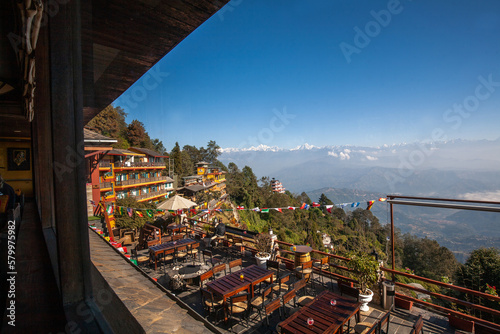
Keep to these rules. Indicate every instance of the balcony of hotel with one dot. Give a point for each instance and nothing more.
(129, 164)
(144, 180)
(152, 195)
(104, 165)
(105, 186)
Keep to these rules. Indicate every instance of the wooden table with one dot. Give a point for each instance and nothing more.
(231, 284)
(176, 228)
(327, 319)
(160, 249)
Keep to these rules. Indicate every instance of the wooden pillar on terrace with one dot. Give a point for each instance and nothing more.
(69, 193)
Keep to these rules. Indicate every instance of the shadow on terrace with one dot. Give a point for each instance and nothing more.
(223, 282)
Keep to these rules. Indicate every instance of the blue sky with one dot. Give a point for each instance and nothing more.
(284, 73)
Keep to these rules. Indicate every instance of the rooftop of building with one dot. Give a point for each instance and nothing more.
(147, 151)
(94, 138)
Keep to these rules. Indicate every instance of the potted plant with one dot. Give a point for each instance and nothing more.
(263, 244)
(364, 270)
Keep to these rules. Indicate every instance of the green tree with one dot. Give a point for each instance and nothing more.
(137, 135)
(175, 154)
(194, 154)
(211, 153)
(427, 258)
(158, 146)
(111, 122)
(134, 222)
(186, 165)
(323, 200)
(481, 268)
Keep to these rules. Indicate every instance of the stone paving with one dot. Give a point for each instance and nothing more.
(154, 310)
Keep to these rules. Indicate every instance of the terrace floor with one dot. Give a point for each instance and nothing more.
(401, 320)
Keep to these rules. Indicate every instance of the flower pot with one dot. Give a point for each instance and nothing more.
(364, 300)
(462, 324)
(403, 303)
(261, 260)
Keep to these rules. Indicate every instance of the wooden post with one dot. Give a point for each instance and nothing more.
(65, 32)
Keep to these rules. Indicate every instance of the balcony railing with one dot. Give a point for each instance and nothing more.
(152, 194)
(141, 180)
(105, 185)
(138, 164)
(104, 164)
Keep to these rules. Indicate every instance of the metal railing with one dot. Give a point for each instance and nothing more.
(141, 180)
(104, 164)
(129, 164)
(151, 194)
(105, 185)
(448, 203)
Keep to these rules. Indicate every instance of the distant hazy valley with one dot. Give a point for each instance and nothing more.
(455, 169)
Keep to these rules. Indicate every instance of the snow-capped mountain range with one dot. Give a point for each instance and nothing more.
(406, 167)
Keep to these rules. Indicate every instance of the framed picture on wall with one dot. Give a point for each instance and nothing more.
(18, 158)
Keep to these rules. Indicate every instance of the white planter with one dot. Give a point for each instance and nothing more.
(365, 299)
(261, 261)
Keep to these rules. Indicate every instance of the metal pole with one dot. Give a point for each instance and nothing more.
(392, 239)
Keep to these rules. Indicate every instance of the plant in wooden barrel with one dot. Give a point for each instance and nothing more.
(263, 244)
(364, 270)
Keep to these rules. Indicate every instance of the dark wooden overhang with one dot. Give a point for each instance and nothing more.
(121, 41)
(127, 38)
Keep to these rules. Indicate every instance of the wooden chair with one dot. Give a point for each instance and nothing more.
(193, 251)
(290, 266)
(272, 306)
(321, 266)
(219, 268)
(237, 248)
(205, 277)
(366, 327)
(305, 271)
(302, 298)
(177, 237)
(239, 305)
(347, 289)
(287, 297)
(148, 234)
(418, 326)
(258, 301)
(282, 287)
(274, 265)
(211, 259)
(168, 255)
(234, 264)
(210, 303)
(140, 259)
(180, 253)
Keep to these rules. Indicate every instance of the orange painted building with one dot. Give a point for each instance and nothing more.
(117, 173)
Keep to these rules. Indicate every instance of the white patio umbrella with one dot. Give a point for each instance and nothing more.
(176, 203)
